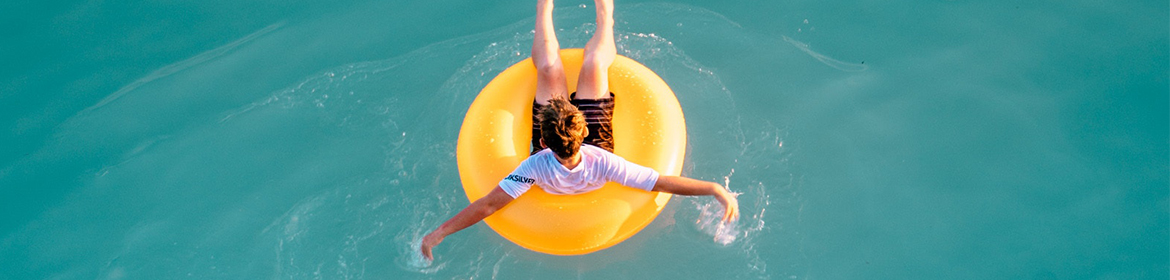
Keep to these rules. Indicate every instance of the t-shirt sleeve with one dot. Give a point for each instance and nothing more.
(520, 180)
(629, 174)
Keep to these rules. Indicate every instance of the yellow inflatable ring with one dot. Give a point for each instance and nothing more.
(648, 129)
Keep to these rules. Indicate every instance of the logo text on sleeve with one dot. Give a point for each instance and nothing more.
(520, 179)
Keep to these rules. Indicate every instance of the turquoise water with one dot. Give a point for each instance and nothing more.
(314, 140)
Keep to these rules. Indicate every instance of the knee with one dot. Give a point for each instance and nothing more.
(594, 61)
(590, 62)
(545, 67)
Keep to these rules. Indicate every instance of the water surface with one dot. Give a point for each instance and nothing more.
(868, 140)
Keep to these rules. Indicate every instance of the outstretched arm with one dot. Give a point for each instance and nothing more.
(477, 211)
(688, 186)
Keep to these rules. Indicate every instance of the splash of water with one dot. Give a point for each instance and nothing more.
(711, 218)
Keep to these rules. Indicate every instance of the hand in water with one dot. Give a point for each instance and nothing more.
(730, 205)
(429, 242)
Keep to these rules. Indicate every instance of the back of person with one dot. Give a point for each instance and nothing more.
(596, 168)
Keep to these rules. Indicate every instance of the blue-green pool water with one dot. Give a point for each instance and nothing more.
(315, 140)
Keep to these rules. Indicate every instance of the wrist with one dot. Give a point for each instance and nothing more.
(439, 232)
(718, 189)
(723, 193)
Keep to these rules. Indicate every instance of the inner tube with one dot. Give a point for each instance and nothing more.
(648, 129)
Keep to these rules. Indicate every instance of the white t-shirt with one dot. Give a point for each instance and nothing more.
(597, 167)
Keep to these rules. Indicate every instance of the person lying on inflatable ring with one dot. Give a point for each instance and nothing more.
(565, 165)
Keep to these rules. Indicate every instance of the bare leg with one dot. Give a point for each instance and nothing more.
(593, 82)
(550, 73)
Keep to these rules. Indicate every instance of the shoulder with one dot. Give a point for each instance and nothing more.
(597, 151)
(540, 154)
(593, 150)
(601, 158)
(590, 151)
(537, 160)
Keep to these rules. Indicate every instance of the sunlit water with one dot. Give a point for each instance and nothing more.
(905, 140)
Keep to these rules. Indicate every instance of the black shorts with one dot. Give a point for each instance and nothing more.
(598, 118)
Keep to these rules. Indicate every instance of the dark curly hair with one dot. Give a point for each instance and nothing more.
(562, 126)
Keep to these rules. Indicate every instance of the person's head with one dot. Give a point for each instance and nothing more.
(562, 128)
